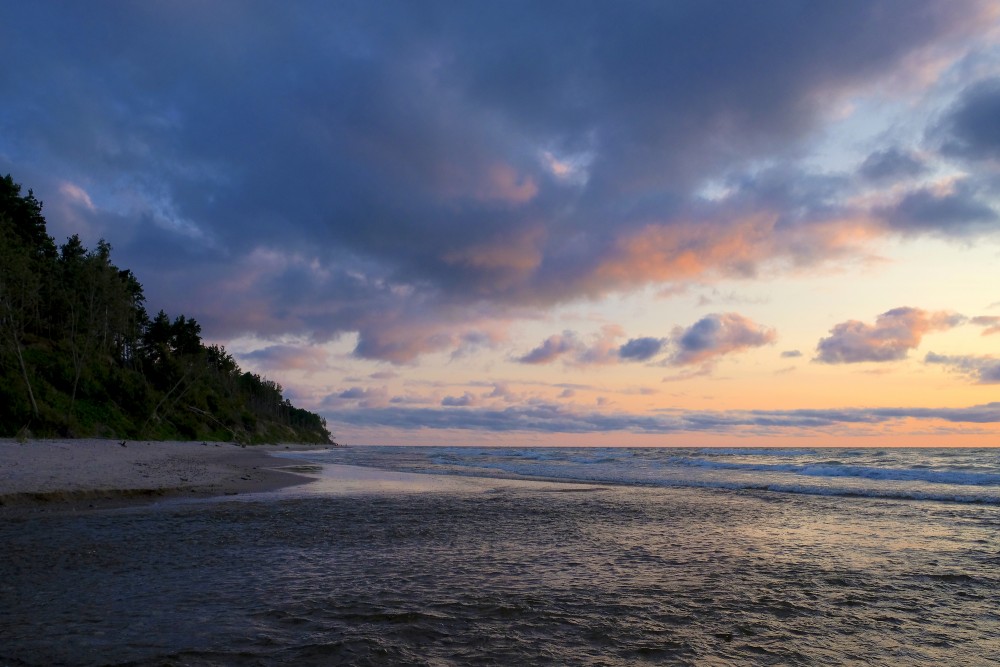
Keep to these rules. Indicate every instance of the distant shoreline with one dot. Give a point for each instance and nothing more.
(71, 475)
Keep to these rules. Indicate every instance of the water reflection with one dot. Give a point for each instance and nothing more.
(506, 575)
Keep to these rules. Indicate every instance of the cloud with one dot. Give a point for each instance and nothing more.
(641, 349)
(400, 334)
(275, 292)
(971, 129)
(892, 164)
(557, 418)
(990, 322)
(716, 335)
(602, 348)
(427, 172)
(352, 393)
(465, 400)
(551, 349)
(894, 333)
(286, 357)
(984, 369)
(791, 354)
(502, 391)
(689, 374)
(77, 195)
(960, 211)
(711, 337)
(375, 398)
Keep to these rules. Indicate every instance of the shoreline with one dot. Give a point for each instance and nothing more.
(70, 475)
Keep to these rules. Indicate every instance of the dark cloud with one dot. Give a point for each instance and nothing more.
(551, 349)
(374, 398)
(555, 418)
(972, 127)
(893, 335)
(464, 400)
(990, 374)
(641, 349)
(718, 334)
(983, 369)
(601, 349)
(392, 169)
(959, 212)
(892, 164)
(352, 393)
(790, 354)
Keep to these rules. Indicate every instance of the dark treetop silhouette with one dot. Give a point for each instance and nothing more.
(80, 357)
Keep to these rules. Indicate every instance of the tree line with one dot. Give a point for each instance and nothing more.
(81, 357)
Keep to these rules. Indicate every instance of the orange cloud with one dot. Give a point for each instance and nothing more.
(727, 247)
(894, 333)
(497, 182)
(508, 259)
(503, 182)
(676, 251)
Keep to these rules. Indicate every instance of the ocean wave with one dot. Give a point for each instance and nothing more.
(869, 492)
(760, 451)
(915, 474)
(608, 475)
(970, 476)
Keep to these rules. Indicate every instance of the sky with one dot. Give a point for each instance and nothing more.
(546, 223)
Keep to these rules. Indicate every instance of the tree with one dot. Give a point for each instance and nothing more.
(19, 298)
(96, 303)
(25, 215)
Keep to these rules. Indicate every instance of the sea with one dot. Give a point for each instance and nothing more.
(610, 556)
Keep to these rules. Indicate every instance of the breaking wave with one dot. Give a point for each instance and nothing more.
(955, 475)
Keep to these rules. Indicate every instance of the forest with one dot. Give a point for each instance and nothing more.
(81, 357)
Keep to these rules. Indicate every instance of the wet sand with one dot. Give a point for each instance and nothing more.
(74, 475)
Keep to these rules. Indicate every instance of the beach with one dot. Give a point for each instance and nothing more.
(92, 474)
(453, 556)
(39, 475)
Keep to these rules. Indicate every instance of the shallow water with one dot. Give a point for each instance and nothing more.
(614, 575)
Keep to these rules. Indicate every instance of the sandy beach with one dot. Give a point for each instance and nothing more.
(79, 475)
(41, 475)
